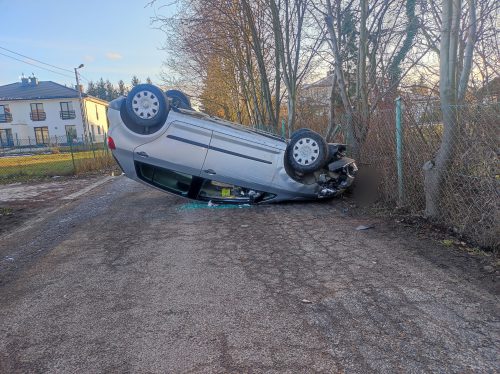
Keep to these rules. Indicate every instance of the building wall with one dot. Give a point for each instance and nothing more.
(97, 118)
(23, 128)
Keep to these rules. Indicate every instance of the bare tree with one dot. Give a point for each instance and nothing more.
(386, 37)
(452, 87)
(288, 20)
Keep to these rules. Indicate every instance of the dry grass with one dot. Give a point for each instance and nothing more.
(103, 161)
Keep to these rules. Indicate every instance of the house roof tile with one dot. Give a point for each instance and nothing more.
(43, 90)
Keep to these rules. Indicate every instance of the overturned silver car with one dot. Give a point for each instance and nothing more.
(157, 139)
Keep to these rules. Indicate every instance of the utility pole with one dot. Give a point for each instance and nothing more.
(82, 107)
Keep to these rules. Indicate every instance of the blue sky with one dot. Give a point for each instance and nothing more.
(113, 39)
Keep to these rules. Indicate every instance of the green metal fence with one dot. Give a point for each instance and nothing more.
(55, 155)
(402, 139)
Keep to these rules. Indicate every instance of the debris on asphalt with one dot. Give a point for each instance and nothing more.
(244, 226)
(364, 227)
(5, 211)
(305, 301)
(489, 269)
(212, 204)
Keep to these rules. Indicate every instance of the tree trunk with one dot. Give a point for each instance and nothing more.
(361, 88)
(291, 111)
(331, 111)
(435, 171)
(261, 64)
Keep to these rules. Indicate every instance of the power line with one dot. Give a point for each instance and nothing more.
(40, 67)
(84, 77)
(34, 59)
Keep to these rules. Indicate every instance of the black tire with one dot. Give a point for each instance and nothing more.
(178, 100)
(298, 132)
(307, 152)
(146, 105)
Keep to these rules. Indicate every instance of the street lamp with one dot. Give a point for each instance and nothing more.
(82, 106)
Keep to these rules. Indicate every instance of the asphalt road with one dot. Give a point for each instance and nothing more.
(127, 279)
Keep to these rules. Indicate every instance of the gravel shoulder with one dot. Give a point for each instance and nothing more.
(127, 279)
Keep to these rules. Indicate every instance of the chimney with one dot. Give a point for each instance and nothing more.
(33, 81)
(24, 81)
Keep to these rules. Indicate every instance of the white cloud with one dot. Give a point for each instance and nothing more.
(89, 58)
(113, 56)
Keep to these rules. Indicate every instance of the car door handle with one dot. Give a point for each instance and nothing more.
(209, 171)
(142, 154)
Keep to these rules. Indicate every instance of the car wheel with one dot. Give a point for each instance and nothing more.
(307, 152)
(146, 105)
(299, 132)
(178, 99)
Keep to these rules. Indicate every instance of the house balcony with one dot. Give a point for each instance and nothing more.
(38, 116)
(6, 117)
(67, 114)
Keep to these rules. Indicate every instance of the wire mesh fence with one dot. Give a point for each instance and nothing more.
(469, 199)
(51, 156)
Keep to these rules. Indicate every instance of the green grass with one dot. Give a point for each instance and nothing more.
(46, 165)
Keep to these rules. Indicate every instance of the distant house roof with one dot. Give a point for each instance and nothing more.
(42, 90)
(323, 82)
(492, 89)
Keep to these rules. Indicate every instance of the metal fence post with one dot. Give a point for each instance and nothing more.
(92, 144)
(72, 154)
(106, 147)
(399, 152)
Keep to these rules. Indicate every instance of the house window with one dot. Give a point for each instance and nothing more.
(71, 133)
(37, 113)
(42, 135)
(96, 113)
(5, 115)
(99, 130)
(6, 139)
(67, 111)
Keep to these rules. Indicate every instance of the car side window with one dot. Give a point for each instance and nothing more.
(169, 180)
(178, 183)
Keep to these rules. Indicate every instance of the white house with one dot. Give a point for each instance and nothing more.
(46, 112)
